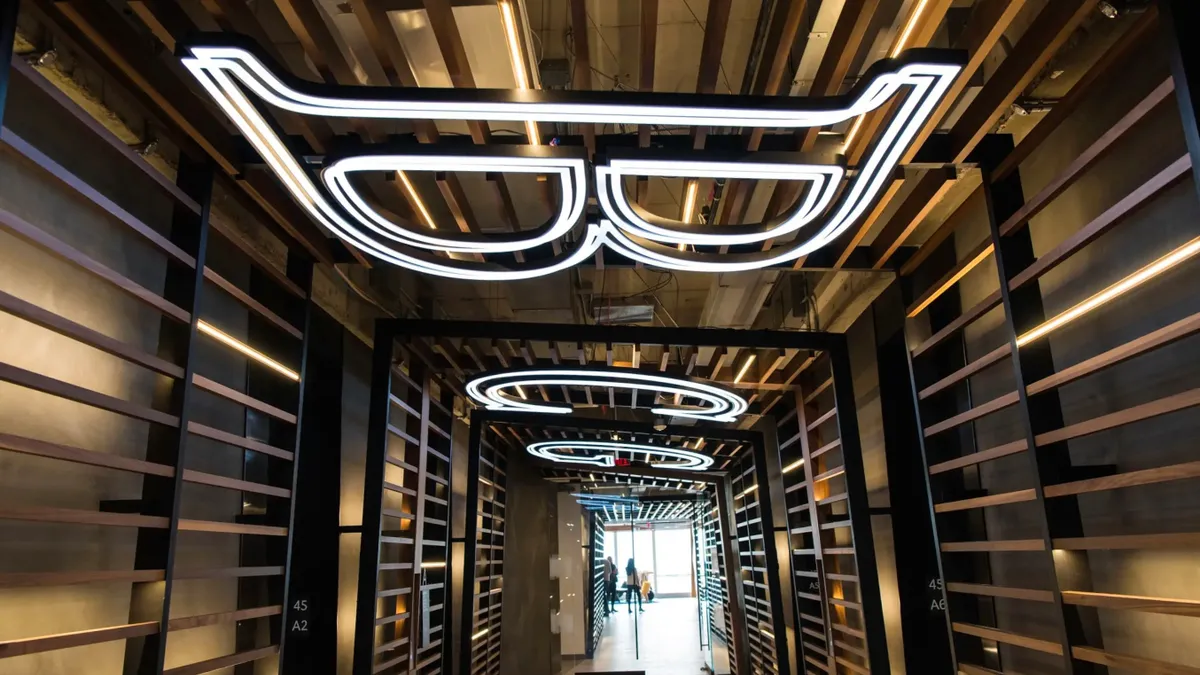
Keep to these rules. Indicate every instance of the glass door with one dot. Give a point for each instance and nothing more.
(673, 560)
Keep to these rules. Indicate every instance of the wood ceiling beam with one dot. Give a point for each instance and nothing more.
(1032, 52)
(310, 27)
(781, 34)
(716, 26)
(581, 77)
(648, 41)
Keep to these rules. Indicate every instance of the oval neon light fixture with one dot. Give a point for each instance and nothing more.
(498, 391)
(689, 459)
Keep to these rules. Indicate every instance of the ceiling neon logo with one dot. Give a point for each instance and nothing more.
(684, 459)
(228, 68)
(500, 390)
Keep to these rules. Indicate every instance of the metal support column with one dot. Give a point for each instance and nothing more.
(859, 508)
(1179, 21)
(777, 547)
(733, 579)
(470, 548)
(8, 35)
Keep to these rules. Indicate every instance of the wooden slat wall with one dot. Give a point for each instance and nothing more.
(1042, 489)
(833, 632)
(488, 592)
(716, 592)
(752, 537)
(409, 583)
(259, 416)
(599, 610)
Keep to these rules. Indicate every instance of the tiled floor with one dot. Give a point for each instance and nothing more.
(668, 637)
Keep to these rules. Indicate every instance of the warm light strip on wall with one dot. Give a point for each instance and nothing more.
(518, 63)
(426, 565)
(896, 49)
(750, 489)
(229, 341)
(479, 634)
(745, 367)
(1116, 290)
(793, 466)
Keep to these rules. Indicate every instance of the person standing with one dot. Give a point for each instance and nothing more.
(610, 586)
(633, 586)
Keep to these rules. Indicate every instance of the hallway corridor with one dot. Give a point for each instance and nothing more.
(668, 636)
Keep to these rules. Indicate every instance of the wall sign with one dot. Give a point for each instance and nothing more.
(242, 84)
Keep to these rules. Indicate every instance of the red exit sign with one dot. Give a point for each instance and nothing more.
(620, 462)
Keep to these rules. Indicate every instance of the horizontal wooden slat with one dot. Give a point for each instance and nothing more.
(199, 620)
(83, 189)
(995, 546)
(1180, 540)
(852, 632)
(63, 326)
(239, 441)
(1137, 603)
(251, 304)
(812, 395)
(229, 572)
(230, 528)
(1135, 664)
(44, 240)
(1015, 639)
(45, 579)
(66, 453)
(998, 403)
(214, 387)
(828, 447)
(963, 267)
(851, 666)
(214, 480)
(979, 457)
(1014, 497)
(1145, 411)
(48, 514)
(1153, 340)
(71, 392)
(1101, 224)
(1162, 474)
(979, 309)
(966, 371)
(47, 643)
(822, 419)
(1000, 591)
(968, 669)
(1087, 158)
(71, 107)
(223, 662)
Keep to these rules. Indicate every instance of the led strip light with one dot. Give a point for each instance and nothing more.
(489, 390)
(230, 72)
(692, 461)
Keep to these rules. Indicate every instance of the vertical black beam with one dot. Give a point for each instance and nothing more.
(777, 548)
(470, 549)
(589, 610)
(738, 642)
(161, 496)
(372, 516)
(312, 570)
(925, 623)
(8, 35)
(859, 508)
(1023, 310)
(1179, 21)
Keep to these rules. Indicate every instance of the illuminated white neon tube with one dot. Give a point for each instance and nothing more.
(689, 459)
(721, 405)
(229, 73)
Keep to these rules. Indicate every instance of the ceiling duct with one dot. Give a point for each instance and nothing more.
(623, 314)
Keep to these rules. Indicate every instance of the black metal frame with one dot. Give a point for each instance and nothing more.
(388, 331)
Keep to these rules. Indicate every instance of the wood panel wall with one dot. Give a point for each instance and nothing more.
(1037, 500)
(196, 404)
(487, 590)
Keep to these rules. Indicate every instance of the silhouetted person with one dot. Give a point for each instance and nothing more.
(633, 586)
(610, 585)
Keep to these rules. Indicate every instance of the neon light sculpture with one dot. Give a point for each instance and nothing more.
(228, 68)
(497, 390)
(689, 460)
